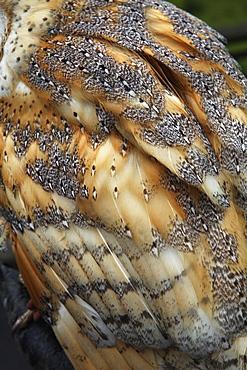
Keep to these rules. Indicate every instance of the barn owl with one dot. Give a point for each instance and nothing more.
(123, 181)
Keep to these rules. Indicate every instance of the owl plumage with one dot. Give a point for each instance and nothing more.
(123, 181)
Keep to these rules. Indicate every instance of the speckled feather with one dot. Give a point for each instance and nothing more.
(123, 177)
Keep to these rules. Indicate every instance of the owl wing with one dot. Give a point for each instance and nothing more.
(166, 76)
(125, 222)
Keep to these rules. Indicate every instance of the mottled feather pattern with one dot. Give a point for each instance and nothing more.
(123, 181)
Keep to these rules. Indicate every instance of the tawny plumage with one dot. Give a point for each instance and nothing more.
(123, 181)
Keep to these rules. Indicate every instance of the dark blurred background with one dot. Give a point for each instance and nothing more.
(227, 16)
(11, 357)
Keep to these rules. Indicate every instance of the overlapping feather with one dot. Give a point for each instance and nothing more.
(127, 216)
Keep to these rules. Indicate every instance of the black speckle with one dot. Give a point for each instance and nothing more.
(104, 336)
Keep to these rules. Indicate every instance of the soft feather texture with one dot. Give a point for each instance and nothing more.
(123, 177)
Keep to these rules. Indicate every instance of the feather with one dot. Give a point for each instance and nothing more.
(123, 181)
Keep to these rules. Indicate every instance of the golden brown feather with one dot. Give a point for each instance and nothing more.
(123, 178)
